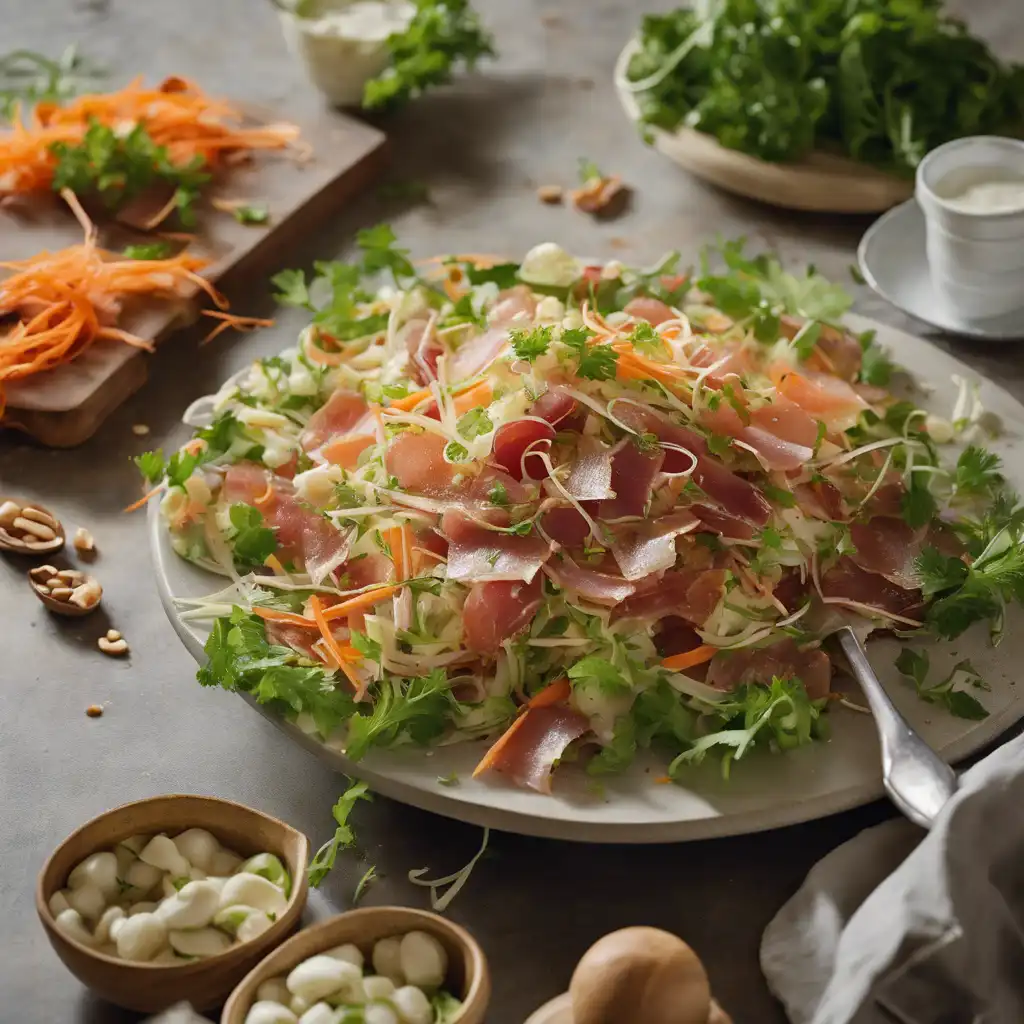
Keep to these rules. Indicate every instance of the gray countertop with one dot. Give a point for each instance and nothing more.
(483, 147)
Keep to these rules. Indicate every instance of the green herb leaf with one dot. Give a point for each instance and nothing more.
(149, 251)
(504, 275)
(253, 542)
(977, 472)
(291, 288)
(257, 213)
(474, 423)
(530, 344)
(498, 495)
(151, 465)
(588, 170)
(344, 838)
(782, 497)
(596, 362)
(455, 452)
(597, 671)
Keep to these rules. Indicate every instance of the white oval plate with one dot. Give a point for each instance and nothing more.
(766, 790)
(822, 182)
(894, 262)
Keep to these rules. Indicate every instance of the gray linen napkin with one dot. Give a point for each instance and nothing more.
(902, 927)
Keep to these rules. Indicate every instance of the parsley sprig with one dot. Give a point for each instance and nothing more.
(594, 362)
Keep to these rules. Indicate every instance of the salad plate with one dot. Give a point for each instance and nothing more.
(822, 183)
(893, 261)
(637, 805)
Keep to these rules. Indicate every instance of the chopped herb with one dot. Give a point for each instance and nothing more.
(959, 703)
(474, 423)
(504, 275)
(876, 368)
(498, 495)
(555, 627)
(598, 671)
(771, 538)
(455, 452)
(253, 543)
(257, 213)
(596, 362)
(977, 472)
(27, 78)
(806, 338)
(292, 289)
(917, 506)
(719, 444)
(452, 779)
(530, 344)
(588, 170)
(344, 837)
(787, 499)
(149, 251)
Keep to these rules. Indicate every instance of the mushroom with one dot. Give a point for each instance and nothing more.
(65, 591)
(642, 974)
(29, 528)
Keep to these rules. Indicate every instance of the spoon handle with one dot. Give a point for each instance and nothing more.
(918, 781)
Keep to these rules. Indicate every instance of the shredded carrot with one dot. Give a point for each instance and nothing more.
(553, 693)
(663, 780)
(144, 499)
(233, 320)
(410, 401)
(499, 745)
(467, 396)
(631, 365)
(273, 562)
(345, 451)
(265, 496)
(315, 353)
(332, 644)
(359, 602)
(398, 539)
(176, 115)
(275, 615)
(700, 654)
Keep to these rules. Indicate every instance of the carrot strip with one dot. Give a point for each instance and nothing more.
(553, 693)
(697, 656)
(499, 744)
(360, 602)
(233, 320)
(275, 615)
(478, 395)
(345, 451)
(144, 499)
(410, 401)
(273, 562)
(332, 644)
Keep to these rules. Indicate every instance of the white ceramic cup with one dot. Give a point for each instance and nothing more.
(976, 258)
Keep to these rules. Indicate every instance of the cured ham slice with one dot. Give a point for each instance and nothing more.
(565, 526)
(476, 554)
(511, 441)
(477, 353)
(732, 492)
(654, 311)
(632, 478)
(514, 305)
(417, 462)
(286, 635)
(848, 580)
(888, 547)
(775, 452)
(491, 482)
(731, 669)
(595, 587)
(556, 406)
(530, 749)
(342, 411)
(686, 594)
(841, 349)
(723, 523)
(787, 421)
(590, 476)
(646, 548)
(496, 612)
(424, 350)
(821, 395)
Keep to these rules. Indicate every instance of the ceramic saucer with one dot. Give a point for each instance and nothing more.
(892, 259)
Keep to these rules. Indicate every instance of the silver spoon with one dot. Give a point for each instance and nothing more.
(917, 780)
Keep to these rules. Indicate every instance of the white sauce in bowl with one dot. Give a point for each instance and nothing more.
(1005, 196)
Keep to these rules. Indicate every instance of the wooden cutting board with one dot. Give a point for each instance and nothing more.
(65, 406)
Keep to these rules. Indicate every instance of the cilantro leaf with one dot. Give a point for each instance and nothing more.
(618, 754)
(474, 423)
(441, 35)
(595, 670)
(255, 213)
(344, 838)
(645, 338)
(787, 499)
(27, 78)
(149, 251)
(806, 338)
(455, 452)
(959, 703)
(917, 506)
(445, 1006)
(417, 710)
(240, 658)
(876, 368)
(596, 362)
(369, 649)
(504, 275)
(381, 253)
(530, 344)
(151, 465)
(291, 288)
(977, 472)
(253, 543)
(498, 494)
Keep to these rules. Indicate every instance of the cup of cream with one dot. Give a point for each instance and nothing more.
(972, 194)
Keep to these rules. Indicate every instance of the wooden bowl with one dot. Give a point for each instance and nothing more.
(150, 988)
(469, 977)
(821, 182)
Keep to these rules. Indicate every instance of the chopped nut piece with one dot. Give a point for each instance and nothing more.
(551, 194)
(9, 511)
(41, 573)
(140, 429)
(36, 515)
(61, 593)
(70, 576)
(94, 711)
(38, 530)
(83, 540)
(54, 582)
(88, 594)
(112, 647)
(603, 197)
(112, 635)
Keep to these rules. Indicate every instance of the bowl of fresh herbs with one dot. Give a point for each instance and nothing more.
(826, 105)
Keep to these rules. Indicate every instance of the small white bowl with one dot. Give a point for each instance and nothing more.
(976, 258)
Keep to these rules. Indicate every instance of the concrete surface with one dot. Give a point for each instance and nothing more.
(483, 147)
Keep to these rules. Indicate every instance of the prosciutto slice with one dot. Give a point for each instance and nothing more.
(732, 492)
(477, 353)
(556, 406)
(417, 462)
(476, 554)
(645, 307)
(848, 580)
(496, 612)
(821, 395)
(632, 478)
(774, 451)
(539, 739)
(841, 348)
(590, 476)
(730, 669)
(688, 594)
(725, 524)
(339, 414)
(566, 526)
(646, 548)
(888, 547)
(424, 350)
(588, 584)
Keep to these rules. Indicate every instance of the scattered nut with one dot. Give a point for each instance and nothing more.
(83, 540)
(112, 635)
(94, 711)
(88, 594)
(602, 197)
(140, 429)
(41, 573)
(550, 194)
(28, 529)
(70, 576)
(112, 647)
(61, 593)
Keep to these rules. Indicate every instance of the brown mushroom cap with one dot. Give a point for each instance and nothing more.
(640, 974)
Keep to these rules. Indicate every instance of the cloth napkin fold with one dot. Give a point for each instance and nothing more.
(899, 926)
